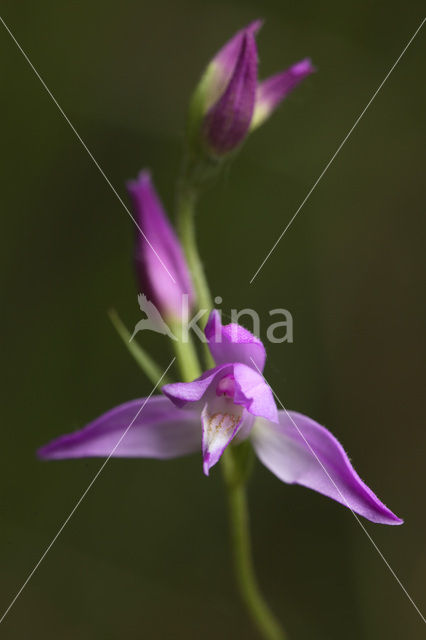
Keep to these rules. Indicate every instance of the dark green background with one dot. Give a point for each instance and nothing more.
(146, 554)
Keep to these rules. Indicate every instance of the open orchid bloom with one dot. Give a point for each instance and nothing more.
(226, 405)
(229, 99)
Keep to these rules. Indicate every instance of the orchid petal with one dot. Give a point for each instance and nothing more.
(153, 428)
(161, 267)
(180, 393)
(299, 450)
(254, 393)
(275, 89)
(249, 390)
(233, 343)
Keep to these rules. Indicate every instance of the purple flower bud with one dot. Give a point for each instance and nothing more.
(229, 102)
(222, 67)
(161, 269)
(223, 104)
(272, 91)
(227, 122)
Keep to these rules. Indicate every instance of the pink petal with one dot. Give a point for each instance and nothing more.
(272, 91)
(249, 390)
(299, 450)
(155, 429)
(233, 343)
(180, 393)
(254, 393)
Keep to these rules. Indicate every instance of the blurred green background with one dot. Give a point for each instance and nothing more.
(146, 554)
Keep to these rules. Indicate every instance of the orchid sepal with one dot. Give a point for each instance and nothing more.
(272, 91)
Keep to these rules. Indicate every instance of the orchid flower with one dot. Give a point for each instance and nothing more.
(229, 410)
(226, 405)
(161, 268)
(229, 101)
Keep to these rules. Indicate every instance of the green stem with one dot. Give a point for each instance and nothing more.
(261, 615)
(187, 198)
(185, 353)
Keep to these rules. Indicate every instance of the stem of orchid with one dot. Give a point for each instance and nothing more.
(234, 465)
(186, 355)
(187, 198)
(266, 622)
